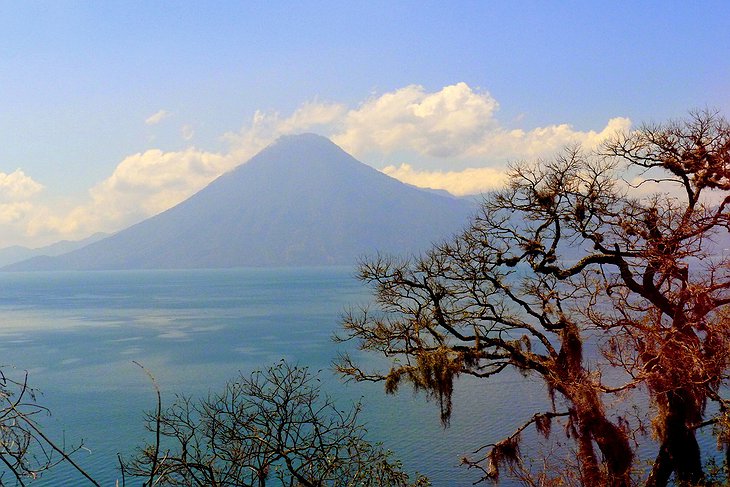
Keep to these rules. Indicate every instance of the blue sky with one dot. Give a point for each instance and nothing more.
(113, 111)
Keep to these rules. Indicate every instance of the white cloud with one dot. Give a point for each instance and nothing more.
(156, 178)
(14, 212)
(460, 183)
(541, 141)
(142, 185)
(17, 204)
(441, 124)
(157, 117)
(456, 124)
(447, 139)
(455, 128)
(16, 186)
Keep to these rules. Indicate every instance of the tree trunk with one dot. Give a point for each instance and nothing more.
(589, 468)
(592, 425)
(613, 445)
(679, 452)
(590, 415)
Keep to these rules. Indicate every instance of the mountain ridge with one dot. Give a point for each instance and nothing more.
(18, 253)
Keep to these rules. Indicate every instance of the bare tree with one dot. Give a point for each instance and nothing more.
(26, 452)
(565, 257)
(275, 426)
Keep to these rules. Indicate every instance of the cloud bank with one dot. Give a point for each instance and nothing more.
(16, 194)
(447, 139)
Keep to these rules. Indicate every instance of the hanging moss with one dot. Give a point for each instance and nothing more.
(392, 380)
(543, 424)
(434, 373)
(505, 452)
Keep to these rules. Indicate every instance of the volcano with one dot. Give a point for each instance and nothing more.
(302, 201)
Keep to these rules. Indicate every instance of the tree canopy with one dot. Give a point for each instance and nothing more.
(621, 250)
(272, 427)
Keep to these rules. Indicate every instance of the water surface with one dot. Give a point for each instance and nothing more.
(77, 333)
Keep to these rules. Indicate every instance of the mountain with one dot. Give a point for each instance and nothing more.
(17, 253)
(301, 201)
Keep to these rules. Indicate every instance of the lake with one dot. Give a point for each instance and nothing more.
(77, 333)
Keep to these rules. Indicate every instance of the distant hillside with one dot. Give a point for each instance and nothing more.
(17, 253)
(302, 201)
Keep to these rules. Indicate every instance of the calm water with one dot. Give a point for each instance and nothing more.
(78, 333)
